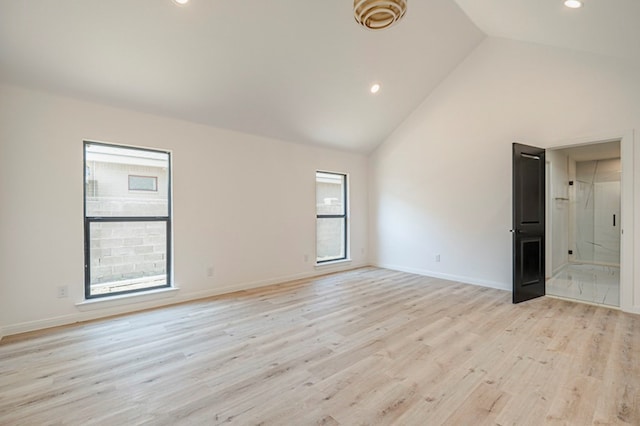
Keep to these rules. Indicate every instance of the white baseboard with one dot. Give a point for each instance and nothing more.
(107, 308)
(449, 277)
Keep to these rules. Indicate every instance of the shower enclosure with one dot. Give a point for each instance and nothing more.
(584, 212)
(597, 212)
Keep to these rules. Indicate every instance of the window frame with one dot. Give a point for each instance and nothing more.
(344, 216)
(88, 220)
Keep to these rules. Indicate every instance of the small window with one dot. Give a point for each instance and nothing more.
(143, 183)
(127, 220)
(331, 216)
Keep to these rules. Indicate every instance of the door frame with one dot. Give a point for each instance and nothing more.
(629, 154)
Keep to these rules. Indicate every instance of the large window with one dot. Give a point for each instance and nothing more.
(127, 219)
(331, 216)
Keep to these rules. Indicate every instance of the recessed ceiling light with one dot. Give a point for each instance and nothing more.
(181, 2)
(573, 4)
(375, 88)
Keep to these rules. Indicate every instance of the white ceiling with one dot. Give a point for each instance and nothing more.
(296, 70)
(293, 70)
(598, 151)
(605, 27)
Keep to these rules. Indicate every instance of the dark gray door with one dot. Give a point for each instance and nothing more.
(528, 222)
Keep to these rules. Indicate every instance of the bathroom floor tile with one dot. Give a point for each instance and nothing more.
(590, 283)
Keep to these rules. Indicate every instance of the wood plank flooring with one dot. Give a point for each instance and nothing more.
(369, 346)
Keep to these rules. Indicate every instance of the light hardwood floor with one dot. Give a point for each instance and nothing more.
(369, 346)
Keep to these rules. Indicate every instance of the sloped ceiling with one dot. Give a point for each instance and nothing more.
(604, 27)
(294, 70)
(298, 71)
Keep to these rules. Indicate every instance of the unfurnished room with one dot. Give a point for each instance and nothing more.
(336, 212)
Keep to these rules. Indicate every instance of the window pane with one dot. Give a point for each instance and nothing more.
(126, 182)
(127, 256)
(330, 239)
(143, 183)
(330, 193)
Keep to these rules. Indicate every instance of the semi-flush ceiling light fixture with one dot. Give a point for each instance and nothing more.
(181, 2)
(573, 4)
(378, 14)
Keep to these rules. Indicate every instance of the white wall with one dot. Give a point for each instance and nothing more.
(242, 204)
(441, 183)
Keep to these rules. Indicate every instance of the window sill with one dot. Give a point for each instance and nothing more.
(125, 299)
(331, 263)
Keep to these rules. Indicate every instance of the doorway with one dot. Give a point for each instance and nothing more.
(583, 208)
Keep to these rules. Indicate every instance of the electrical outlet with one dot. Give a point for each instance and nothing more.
(306, 257)
(210, 271)
(437, 258)
(63, 291)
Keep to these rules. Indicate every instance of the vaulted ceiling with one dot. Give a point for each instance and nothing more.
(604, 27)
(298, 71)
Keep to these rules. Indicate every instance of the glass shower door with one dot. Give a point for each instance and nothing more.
(584, 222)
(606, 223)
